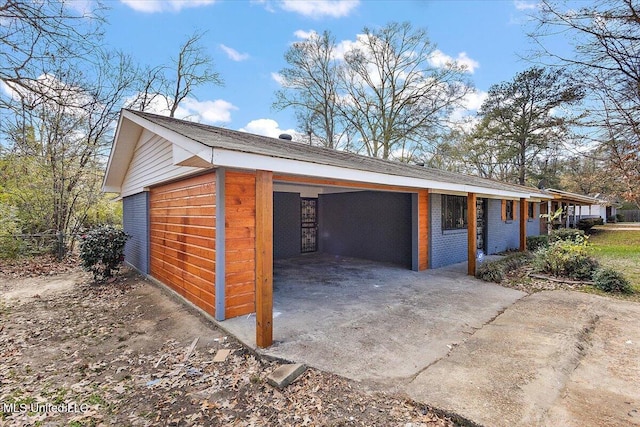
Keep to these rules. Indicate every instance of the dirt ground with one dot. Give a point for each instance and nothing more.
(73, 353)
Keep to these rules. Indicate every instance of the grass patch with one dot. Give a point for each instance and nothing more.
(620, 250)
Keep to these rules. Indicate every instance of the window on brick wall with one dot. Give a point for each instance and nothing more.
(531, 211)
(454, 212)
(508, 210)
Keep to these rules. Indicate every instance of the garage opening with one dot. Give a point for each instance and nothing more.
(365, 224)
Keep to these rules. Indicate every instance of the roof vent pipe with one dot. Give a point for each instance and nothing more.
(285, 136)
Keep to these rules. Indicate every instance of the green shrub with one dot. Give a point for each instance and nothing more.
(494, 271)
(586, 224)
(490, 271)
(565, 258)
(537, 242)
(612, 218)
(610, 280)
(102, 251)
(10, 245)
(619, 217)
(567, 235)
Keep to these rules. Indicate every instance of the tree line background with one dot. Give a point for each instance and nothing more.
(569, 122)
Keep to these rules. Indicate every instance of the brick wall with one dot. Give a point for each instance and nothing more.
(533, 224)
(445, 246)
(502, 235)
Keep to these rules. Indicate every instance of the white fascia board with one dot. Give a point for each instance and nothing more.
(120, 155)
(241, 160)
(182, 157)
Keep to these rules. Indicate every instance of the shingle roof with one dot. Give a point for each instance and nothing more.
(573, 197)
(217, 137)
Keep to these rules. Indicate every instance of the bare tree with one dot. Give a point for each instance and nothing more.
(66, 135)
(310, 87)
(605, 39)
(394, 95)
(36, 36)
(192, 68)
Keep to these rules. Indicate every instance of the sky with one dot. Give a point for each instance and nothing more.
(248, 40)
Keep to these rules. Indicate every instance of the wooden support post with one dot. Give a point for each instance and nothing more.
(264, 258)
(472, 236)
(423, 229)
(523, 224)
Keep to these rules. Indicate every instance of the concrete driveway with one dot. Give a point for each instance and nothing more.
(490, 354)
(370, 321)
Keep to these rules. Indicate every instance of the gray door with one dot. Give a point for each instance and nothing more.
(309, 225)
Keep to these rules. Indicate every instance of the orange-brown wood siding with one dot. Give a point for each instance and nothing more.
(471, 233)
(240, 244)
(182, 238)
(423, 230)
(339, 183)
(264, 258)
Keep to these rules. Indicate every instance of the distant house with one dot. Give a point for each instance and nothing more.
(208, 209)
(578, 206)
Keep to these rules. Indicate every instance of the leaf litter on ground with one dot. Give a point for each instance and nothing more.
(90, 347)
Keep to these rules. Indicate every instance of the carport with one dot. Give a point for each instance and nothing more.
(376, 224)
(182, 181)
(370, 320)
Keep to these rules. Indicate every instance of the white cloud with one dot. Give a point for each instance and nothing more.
(10, 92)
(277, 77)
(83, 7)
(47, 89)
(473, 101)
(525, 5)
(153, 6)
(266, 4)
(218, 111)
(305, 35)
(320, 8)
(440, 59)
(465, 116)
(267, 127)
(233, 54)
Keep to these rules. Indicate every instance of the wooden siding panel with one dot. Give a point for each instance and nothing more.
(264, 259)
(471, 233)
(340, 183)
(182, 238)
(240, 246)
(423, 230)
(524, 213)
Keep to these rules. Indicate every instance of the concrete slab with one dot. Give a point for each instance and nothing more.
(284, 375)
(553, 358)
(369, 321)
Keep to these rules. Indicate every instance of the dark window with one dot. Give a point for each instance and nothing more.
(454, 212)
(531, 210)
(508, 210)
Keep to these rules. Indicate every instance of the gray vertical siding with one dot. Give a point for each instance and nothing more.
(445, 246)
(135, 221)
(502, 235)
(367, 224)
(286, 225)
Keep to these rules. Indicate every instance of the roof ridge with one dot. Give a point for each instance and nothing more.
(178, 125)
